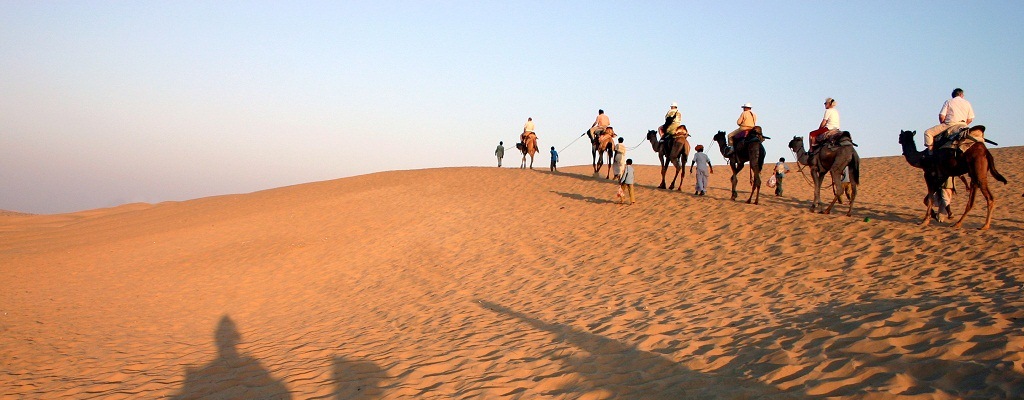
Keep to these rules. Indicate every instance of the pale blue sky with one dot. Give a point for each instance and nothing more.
(104, 103)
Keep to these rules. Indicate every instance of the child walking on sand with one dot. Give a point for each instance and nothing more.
(626, 183)
(554, 159)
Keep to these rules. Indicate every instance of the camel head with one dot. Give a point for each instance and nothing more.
(907, 137)
(652, 135)
(797, 143)
(720, 136)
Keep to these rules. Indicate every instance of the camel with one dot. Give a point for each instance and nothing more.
(677, 155)
(749, 149)
(528, 145)
(600, 146)
(833, 160)
(976, 162)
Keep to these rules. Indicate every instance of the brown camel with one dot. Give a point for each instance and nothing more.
(831, 159)
(675, 152)
(751, 149)
(976, 162)
(528, 145)
(600, 146)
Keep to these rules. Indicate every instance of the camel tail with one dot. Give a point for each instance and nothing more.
(855, 169)
(992, 167)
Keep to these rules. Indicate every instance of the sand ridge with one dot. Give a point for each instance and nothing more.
(493, 283)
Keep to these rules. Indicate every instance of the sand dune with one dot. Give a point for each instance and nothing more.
(503, 283)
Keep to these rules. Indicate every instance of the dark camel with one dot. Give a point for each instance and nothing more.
(976, 162)
(750, 148)
(602, 145)
(832, 159)
(528, 145)
(677, 155)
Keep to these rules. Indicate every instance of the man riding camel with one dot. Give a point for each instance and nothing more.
(598, 128)
(956, 113)
(527, 130)
(829, 126)
(746, 122)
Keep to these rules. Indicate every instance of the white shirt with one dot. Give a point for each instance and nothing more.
(528, 127)
(781, 168)
(831, 118)
(956, 110)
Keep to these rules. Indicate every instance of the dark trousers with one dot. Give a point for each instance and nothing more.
(778, 183)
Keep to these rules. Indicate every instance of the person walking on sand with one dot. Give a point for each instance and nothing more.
(620, 158)
(746, 122)
(554, 159)
(943, 199)
(626, 182)
(956, 113)
(500, 152)
(781, 169)
(704, 170)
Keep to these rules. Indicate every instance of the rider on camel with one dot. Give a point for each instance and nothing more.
(829, 126)
(673, 127)
(746, 122)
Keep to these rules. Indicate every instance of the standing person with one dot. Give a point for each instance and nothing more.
(829, 123)
(956, 113)
(620, 158)
(626, 181)
(781, 169)
(704, 170)
(500, 152)
(746, 122)
(943, 199)
(554, 159)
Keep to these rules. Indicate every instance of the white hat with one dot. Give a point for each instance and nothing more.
(747, 106)
(674, 104)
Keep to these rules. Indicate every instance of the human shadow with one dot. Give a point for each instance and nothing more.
(625, 371)
(589, 199)
(231, 375)
(356, 379)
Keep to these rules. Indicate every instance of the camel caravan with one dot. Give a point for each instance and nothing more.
(953, 149)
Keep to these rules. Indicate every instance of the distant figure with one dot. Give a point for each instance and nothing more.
(673, 118)
(956, 113)
(781, 169)
(626, 181)
(943, 199)
(602, 122)
(704, 170)
(500, 152)
(829, 124)
(620, 158)
(746, 122)
(554, 159)
(528, 127)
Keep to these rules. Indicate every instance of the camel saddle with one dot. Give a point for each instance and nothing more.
(836, 141)
(961, 139)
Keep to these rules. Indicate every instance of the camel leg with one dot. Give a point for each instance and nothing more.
(836, 192)
(970, 204)
(733, 180)
(853, 195)
(817, 177)
(755, 190)
(664, 170)
(927, 210)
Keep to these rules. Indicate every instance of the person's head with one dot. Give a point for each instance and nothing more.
(782, 159)
(600, 111)
(699, 148)
(674, 105)
(620, 140)
(552, 148)
(530, 119)
(500, 143)
(629, 161)
(958, 92)
(746, 107)
(830, 102)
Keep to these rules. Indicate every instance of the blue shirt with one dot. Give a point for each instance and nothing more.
(554, 156)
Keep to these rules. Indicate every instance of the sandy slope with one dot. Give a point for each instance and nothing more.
(490, 283)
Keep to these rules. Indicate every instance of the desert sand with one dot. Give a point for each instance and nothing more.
(506, 283)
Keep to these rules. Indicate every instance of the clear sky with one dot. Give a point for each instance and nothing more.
(105, 103)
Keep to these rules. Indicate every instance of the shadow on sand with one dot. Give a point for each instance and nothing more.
(625, 372)
(233, 375)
